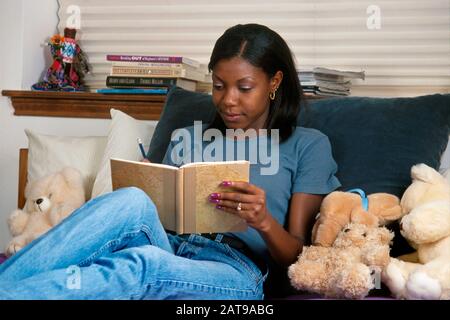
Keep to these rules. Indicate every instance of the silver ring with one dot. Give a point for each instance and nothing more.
(239, 207)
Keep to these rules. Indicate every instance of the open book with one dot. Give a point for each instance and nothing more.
(181, 194)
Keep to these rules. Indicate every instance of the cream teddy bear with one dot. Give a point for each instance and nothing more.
(426, 225)
(340, 208)
(349, 268)
(50, 199)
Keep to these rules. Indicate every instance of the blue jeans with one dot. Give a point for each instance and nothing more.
(114, 247)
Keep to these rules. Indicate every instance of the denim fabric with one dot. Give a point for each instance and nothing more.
(114, 247)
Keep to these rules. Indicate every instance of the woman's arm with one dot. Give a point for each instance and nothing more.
(285, 246)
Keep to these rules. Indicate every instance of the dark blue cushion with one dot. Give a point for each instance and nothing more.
(376, 141)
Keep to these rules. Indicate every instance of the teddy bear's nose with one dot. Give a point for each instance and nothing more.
(401, 225)
(39, 201)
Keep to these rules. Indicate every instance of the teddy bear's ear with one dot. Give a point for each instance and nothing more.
(28, 189)
(325, 233)
(335, 212)
(424, 173)
(384, 235)
(385, 206)
(390, 214)
(359, 215)
(72, 176)
(28, 207)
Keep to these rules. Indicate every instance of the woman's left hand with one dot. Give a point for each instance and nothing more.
(245, 200)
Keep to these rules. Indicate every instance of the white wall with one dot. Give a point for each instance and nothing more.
(24, 26)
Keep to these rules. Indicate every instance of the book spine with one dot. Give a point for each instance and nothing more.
(167, 59)
(127, 82)
(164, 59)
(160, 91)
(148, 72)
(158, 72)
(147, 64)
(179, 202)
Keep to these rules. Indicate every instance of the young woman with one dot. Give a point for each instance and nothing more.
(115, 247)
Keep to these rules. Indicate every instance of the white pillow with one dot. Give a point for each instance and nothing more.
(122, 143)
(48, 154)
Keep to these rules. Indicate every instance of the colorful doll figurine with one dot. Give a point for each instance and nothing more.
(69, 65)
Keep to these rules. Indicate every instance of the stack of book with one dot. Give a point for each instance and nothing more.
(206, 85)
(152, 74)
(327, 82)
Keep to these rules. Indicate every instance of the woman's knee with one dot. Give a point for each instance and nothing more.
(134, 196)
(126, 206)
(131, 193)
(127, 202)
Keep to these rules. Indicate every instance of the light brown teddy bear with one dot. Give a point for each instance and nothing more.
(49, 200)
(426, 226)
(340, 208)
(349, 268)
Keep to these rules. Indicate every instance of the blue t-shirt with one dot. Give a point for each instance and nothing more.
(305, 164)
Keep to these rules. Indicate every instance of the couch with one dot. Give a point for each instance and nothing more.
(375, 141)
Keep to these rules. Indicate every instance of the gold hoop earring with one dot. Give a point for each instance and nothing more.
(272, 94)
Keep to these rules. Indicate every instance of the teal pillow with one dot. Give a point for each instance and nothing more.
(376, 141)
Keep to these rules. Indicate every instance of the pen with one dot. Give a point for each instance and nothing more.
(141, 147)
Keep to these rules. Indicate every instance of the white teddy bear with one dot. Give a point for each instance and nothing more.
(50, 199)
(424, 274)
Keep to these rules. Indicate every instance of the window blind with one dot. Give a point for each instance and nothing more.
(402, 45)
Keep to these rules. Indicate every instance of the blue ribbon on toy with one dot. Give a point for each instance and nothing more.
(365, 201)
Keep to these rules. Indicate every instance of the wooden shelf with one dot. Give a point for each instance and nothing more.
(84, 104)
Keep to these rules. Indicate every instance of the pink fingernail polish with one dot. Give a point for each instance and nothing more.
(219, 207)
(226, 183)
(214, 195)
(214, 200)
